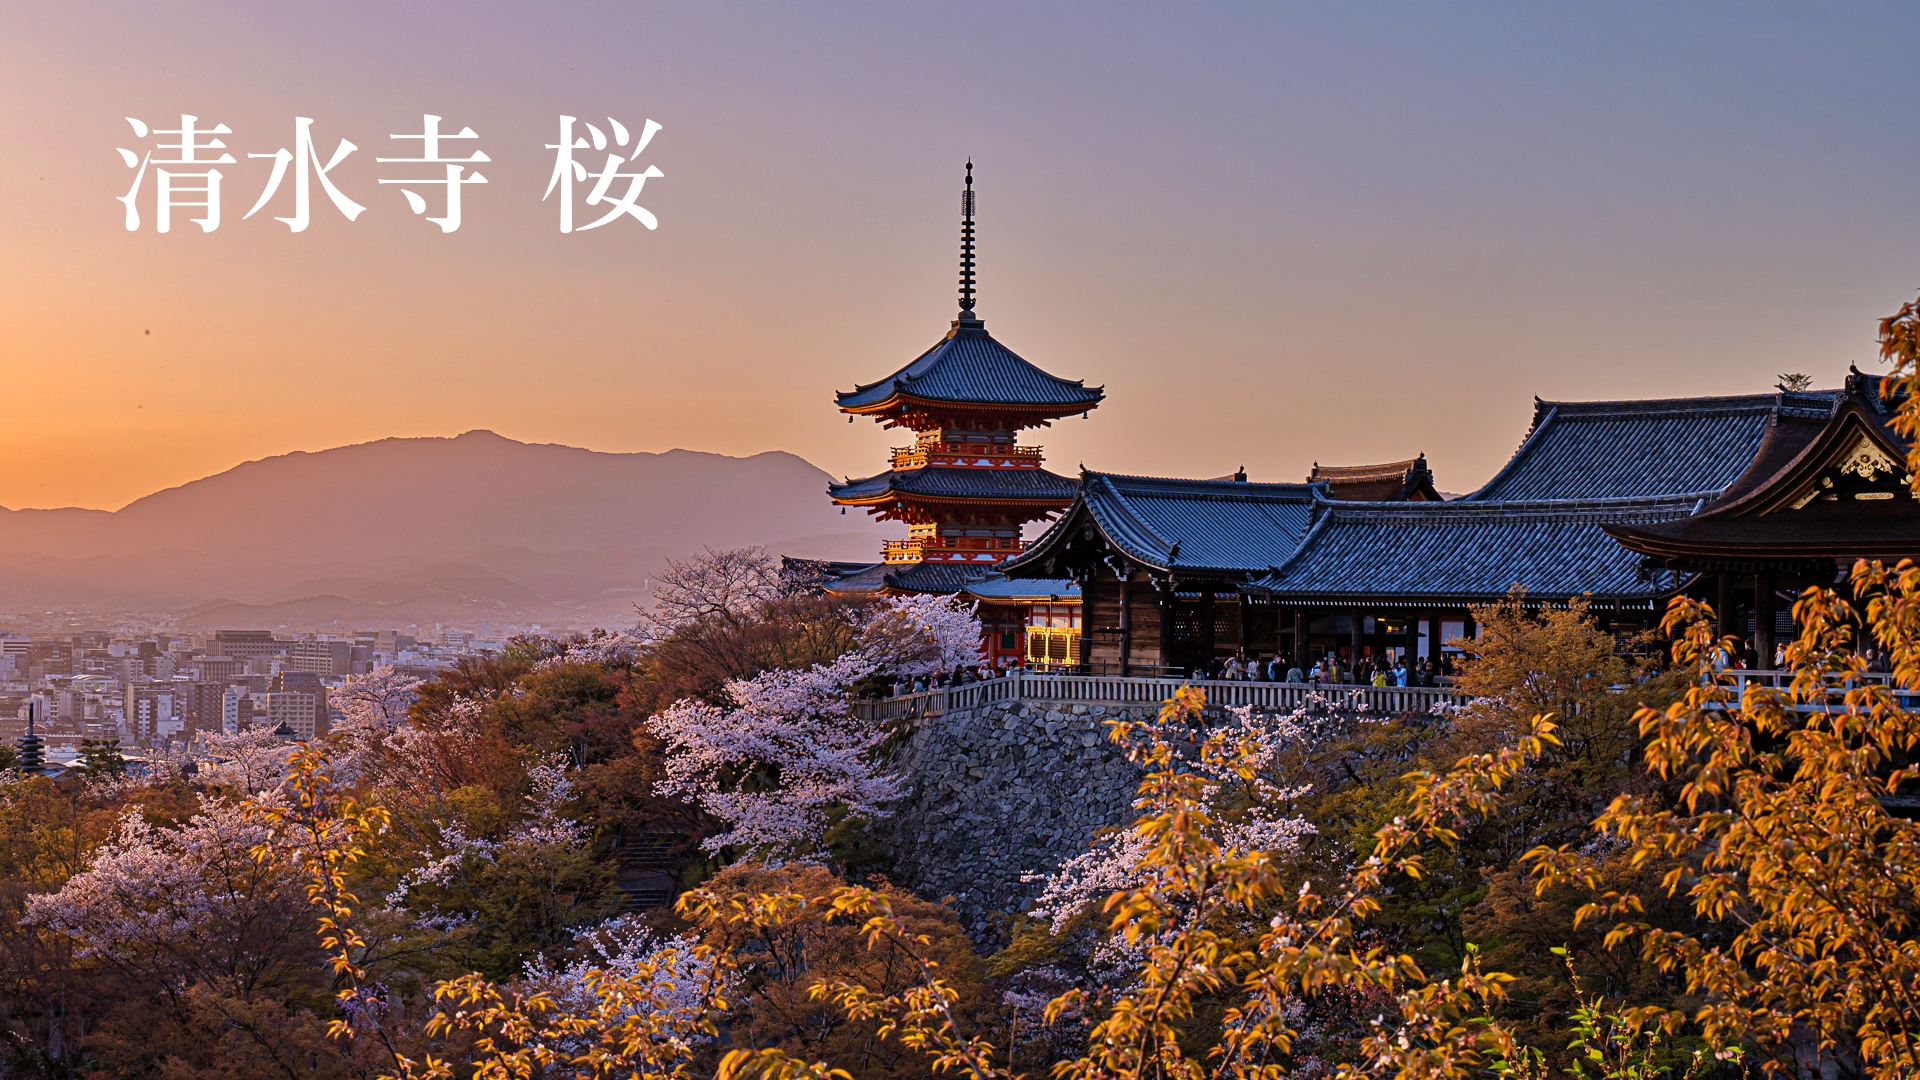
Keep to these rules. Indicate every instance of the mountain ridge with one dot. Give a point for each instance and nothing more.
(535, 525)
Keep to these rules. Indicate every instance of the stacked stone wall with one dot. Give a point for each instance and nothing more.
(1003, 791)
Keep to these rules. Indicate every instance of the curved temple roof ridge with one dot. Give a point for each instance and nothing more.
(1658, 446)
(1163, 523)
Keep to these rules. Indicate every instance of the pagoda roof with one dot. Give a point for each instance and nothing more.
(1454, 552)
(926, 577)
(1392, 481)
(942, 482)
(968, 368)
(1196, 526)
(1820, 489)
(1636, 449)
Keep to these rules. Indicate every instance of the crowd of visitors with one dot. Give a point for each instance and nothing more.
(1331, 669)
(1328, 670)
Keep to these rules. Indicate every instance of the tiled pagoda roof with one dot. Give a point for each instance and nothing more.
(1220, 526)
(968, 367)
(927, 577)
(1460, 551)
(936, 482)
(1634, 449)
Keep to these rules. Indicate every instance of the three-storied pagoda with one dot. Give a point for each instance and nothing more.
(966, 486)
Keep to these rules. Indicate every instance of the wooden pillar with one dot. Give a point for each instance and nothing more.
(1763, 618)
(1413, 637)
(1300, 638)
(1126, 629)
(1167, 604)
(1353, 637)
(1723, 604)
(1206, 623)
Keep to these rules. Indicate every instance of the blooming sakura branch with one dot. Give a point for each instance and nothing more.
(180, 170)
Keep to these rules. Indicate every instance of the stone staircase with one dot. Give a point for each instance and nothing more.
(644, 871)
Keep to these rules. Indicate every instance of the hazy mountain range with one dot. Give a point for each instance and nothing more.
(418, 531)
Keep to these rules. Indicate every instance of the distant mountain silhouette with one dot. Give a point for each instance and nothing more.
(429, 525)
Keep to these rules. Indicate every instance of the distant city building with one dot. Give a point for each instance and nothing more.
(149, 712)
(301, 682)
(236, 710)
(218, 669)
(327, 658)
(51, 657)
(293, 710)
(200, 705)
(249, 644)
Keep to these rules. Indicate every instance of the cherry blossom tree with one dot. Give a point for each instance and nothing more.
(774, 763)
(679, 975)
(922, 634)
(1245, 795)
(608, 650)
(186, 905)
(461, 851)
(725, 586)
(249, 762)
(377, 701)
(373, 710)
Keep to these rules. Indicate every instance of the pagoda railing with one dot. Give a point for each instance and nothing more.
(967, 455)
(1020, 685)
(949, 549)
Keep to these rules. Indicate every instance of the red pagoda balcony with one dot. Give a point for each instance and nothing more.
(984, 550)
(966, 456)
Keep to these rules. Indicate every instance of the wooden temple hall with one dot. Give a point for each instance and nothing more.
(1740, 500)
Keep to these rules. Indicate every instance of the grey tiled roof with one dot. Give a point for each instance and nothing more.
(1217, 525)
(910, 577)
(969, 367)
(1006, 589)
(936, 482)
(1472, 551)
(1631, 449)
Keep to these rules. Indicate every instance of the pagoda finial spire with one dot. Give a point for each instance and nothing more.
(966, 249)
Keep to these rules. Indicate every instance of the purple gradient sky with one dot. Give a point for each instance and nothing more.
(1277, 234)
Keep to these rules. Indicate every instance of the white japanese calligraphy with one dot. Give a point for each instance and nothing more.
(430, 155)
(301, 157)
(567, 171)
(167, 181)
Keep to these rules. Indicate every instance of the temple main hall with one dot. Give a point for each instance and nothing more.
(1742, 500)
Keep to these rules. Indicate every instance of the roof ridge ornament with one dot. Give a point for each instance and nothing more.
(967, 320)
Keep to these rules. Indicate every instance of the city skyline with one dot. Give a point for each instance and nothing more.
(1275, 238)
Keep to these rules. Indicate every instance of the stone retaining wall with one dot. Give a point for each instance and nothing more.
(1003, 790)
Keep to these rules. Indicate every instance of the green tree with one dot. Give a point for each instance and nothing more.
(101, 758)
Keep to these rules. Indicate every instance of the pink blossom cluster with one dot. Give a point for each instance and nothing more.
(607, 650)
(1246, 809)
(675, 979)
(801, 750)
(181, 903)
(922, 634)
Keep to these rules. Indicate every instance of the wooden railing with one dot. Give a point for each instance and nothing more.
(1021, 685)
(1836, 692)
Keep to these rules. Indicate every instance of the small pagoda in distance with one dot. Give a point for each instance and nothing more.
(965, 487)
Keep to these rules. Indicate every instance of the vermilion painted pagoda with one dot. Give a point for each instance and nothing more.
(965, 487)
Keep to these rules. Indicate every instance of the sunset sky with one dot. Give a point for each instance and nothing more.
(1277, 234)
